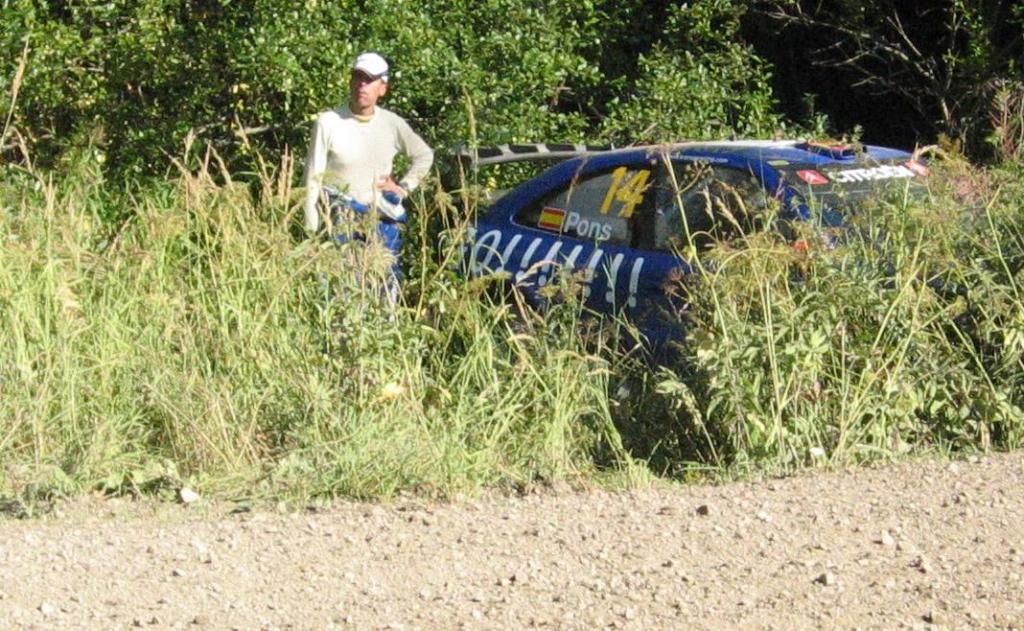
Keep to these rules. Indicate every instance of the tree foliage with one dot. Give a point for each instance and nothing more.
(138, 77)
(945, 60)
(697, 81)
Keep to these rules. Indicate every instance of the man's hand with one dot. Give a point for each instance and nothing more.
(389, 184)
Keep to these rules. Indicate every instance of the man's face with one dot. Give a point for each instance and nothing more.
(365, 91)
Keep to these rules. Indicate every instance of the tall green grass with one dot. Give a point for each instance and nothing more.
(907, 338)
(179, 333)
(164, 334)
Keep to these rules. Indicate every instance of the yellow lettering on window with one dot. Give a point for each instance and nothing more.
(613, 188)
(632, 193)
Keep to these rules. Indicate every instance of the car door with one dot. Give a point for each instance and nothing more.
(582, 224)
(692, 206)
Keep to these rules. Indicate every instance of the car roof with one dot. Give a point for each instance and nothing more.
(781, 151)
(757, 151)
(572, 161)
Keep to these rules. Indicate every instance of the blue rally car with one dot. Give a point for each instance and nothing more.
(625, 222)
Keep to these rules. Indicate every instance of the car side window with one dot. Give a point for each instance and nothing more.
(600, 208)
(702, 204)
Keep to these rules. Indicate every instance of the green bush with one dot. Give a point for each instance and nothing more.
(196, 342)
(699, 81)
(907, 338)
(138, 79)
(175, 333)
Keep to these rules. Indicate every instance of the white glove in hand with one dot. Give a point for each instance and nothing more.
(390, 205)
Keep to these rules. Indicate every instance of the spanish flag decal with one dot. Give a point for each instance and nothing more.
(551, 218)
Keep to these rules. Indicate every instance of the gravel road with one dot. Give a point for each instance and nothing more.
(918, 545)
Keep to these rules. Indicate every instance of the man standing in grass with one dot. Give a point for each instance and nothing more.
(352, 150)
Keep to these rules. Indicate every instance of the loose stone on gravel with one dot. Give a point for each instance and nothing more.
(922, 565)
(188, 496)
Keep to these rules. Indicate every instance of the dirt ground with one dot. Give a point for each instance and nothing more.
(919, 545)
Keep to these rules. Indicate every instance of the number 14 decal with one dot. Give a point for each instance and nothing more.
(630, 192)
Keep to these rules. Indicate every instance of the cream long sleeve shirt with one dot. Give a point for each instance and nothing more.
(357, 152)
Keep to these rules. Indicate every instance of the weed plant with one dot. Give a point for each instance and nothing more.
(906, 337)
(178, 333)
(183, 333)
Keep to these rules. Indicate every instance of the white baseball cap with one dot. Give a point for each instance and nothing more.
(371, 64)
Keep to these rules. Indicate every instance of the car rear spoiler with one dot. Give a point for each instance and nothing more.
(502, 154)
